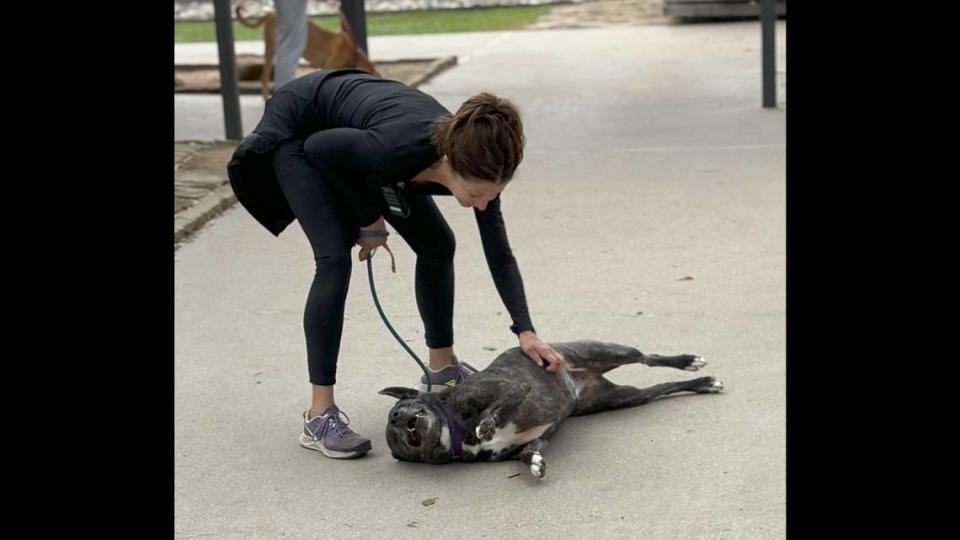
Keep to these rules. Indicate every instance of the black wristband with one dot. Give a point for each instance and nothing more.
(364, 233)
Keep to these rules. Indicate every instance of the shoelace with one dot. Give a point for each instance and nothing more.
(339, 425)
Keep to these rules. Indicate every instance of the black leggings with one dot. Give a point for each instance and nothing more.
(332, 237)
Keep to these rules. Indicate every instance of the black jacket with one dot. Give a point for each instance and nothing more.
(382, 137)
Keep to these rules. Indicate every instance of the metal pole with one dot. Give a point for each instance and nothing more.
(357, 17)
(768, 19)
(228, 70)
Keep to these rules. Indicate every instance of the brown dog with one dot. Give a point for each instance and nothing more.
(324, 49)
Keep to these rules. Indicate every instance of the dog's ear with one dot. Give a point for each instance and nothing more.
(399, 392)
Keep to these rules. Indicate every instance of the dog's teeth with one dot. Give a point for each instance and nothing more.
(536, 459)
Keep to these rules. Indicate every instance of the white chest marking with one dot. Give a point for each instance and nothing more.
(445, 437)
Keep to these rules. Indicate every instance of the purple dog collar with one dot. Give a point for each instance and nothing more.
(456, 437)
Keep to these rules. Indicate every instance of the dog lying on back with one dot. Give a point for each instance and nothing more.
(324, 49)
(508, 410)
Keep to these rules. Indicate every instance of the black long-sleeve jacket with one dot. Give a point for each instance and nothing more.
(379, 134)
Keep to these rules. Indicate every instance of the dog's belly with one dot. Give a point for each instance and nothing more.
(506, 438)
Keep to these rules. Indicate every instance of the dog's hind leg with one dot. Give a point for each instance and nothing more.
(532, 456)
(687, 362)
(599, 394)
(269, 43)
(600, 357)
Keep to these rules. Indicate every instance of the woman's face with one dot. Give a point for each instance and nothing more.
(473, 193)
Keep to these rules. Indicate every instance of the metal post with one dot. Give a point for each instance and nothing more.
(228, 70)
(768, 20)
(357, 17)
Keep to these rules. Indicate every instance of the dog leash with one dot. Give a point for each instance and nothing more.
(376, 302)
(456, 432)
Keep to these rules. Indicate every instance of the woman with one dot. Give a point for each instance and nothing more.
(327, 145)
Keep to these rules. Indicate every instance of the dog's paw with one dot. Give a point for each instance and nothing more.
(485, 429)
(697, 363)
(538, 465)
(714, 386)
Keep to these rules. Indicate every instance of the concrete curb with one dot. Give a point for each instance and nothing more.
(212, 204)
(438, 66)
(190, 220)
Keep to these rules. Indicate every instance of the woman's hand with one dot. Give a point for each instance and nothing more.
(368, 244)
(541, 353)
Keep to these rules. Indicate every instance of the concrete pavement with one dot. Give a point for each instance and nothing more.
(649, 160)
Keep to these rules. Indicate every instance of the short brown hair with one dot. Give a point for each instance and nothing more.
(483, 140)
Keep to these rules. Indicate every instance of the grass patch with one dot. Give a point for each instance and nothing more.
(389, 24)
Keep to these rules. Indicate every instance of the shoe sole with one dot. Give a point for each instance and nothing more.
(310, 443)
(436, 388)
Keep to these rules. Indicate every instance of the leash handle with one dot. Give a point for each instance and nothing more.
(393, 262)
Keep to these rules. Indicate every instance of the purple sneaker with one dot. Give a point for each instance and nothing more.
(329, 434)
(446, 378)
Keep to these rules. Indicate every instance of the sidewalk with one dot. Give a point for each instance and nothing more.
(649, 160)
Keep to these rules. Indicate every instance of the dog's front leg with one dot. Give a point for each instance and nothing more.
(511, 396)
(532, 456)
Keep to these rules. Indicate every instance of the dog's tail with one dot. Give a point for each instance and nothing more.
(249, 23)
(348, 30)
(360, 59)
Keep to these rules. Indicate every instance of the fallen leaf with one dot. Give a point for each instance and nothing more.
(430, 501)
(514, 475)
(489, 348)
(688, 278)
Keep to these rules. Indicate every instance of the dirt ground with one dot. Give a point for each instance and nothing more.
(206, 79)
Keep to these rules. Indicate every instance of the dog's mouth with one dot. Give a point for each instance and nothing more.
(413, 439)
(413, 436)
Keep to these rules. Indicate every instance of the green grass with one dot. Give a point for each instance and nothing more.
(389, 24)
